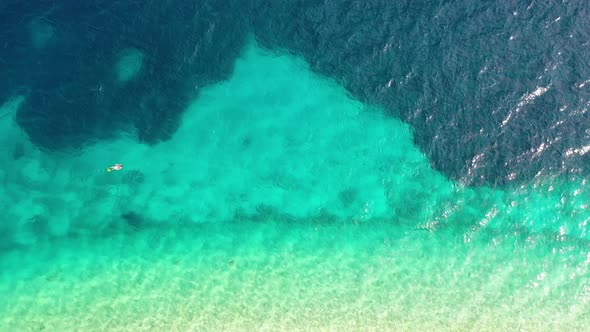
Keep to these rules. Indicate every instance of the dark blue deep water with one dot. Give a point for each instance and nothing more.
(462, 73)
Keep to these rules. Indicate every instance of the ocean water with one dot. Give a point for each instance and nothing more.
(269, 192)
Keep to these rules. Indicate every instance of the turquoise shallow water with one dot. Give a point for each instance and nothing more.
(280, 203)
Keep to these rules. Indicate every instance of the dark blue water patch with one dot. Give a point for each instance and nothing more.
(463, 73)
(497, 93)
(73, 96)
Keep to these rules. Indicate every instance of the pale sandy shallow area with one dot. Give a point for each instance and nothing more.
(280, 204)
(277, 276)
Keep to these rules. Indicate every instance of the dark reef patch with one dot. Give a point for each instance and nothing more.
(134, 177)
(18, 151)
(133, 219)
(348, 196)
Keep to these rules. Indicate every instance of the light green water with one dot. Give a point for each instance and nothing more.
(129, 64)
(41, 33)
(281, 203)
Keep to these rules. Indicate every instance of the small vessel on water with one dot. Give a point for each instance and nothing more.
(115, 167)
